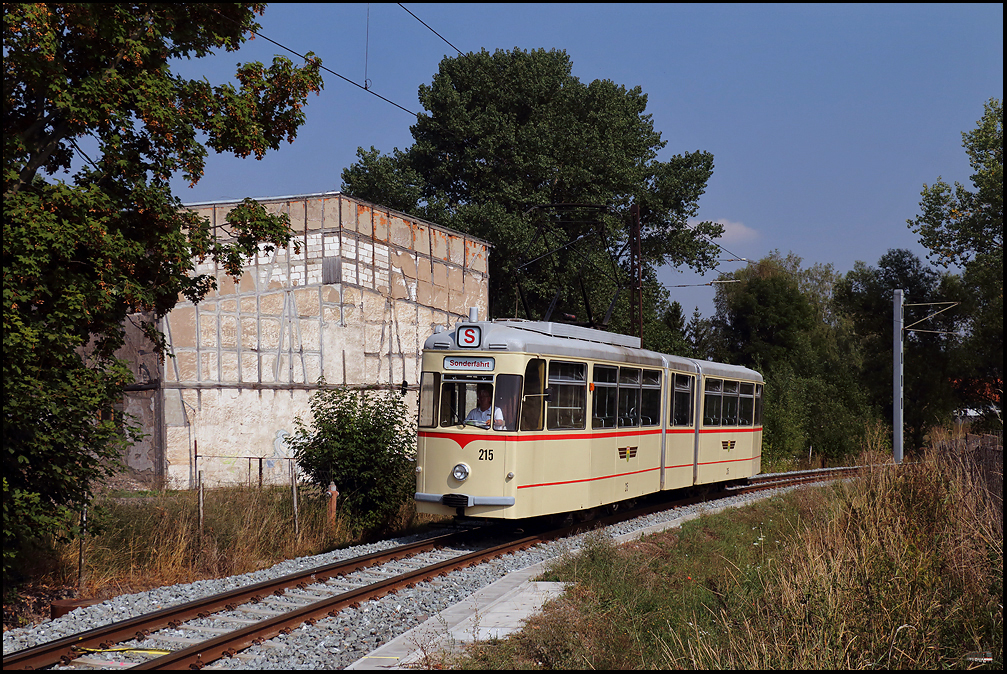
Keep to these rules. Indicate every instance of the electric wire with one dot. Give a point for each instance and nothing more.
(322, 67)
(737, 258)
(431, 29)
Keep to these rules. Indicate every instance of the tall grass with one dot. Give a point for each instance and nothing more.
(903, 570)
(900, 568)
(136, 543)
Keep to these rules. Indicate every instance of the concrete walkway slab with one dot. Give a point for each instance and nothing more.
(493, 612)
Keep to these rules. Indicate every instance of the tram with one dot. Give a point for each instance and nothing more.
(520, 419)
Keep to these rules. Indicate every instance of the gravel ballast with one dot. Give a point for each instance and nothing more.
(336, 642)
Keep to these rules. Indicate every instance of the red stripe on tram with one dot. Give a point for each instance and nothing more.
(586, 479)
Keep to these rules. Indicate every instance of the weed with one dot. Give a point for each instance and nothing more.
(901, 568)
(138, 543)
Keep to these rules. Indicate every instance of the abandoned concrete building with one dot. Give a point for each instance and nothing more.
(353, 307)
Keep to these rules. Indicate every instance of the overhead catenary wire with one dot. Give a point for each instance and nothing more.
(735, 258)
(697, 285)
(365, 87)
(430, 29)
(322, 67)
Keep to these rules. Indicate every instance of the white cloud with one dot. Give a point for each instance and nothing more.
(736, 232)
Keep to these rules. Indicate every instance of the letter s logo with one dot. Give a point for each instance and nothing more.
(469, 337)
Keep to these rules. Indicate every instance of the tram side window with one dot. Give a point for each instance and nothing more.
(711, 402)
(746, 405)
(606, 397)
(567, 406)
(429, 383)
(758, 404)
(629, 396)
(682, 414)
(533, 401)
(650, 398)
(729, 409)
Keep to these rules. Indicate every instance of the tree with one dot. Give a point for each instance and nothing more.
(702, 338)
(965, 228)
(363, 442)
(667, 334)
(512, 148)
(765, 318)
(91, 85)
(780, 319)
(931, 360)
(962, 227)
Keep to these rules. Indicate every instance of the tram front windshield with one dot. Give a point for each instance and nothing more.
(479, 402)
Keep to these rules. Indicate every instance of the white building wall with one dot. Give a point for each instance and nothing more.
(247, 359)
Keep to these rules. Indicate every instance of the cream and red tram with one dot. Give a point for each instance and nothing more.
(580, 418)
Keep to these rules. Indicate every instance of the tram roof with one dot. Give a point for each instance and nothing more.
(561, 339)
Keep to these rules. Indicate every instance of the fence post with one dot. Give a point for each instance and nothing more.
(80, 551)
(293, 492)
(333, 495)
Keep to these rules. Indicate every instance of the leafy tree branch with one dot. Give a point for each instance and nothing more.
(84, 252)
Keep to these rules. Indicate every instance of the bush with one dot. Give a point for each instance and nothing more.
(364, 442)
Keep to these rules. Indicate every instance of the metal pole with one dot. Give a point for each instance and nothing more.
(200, 482)
(897, 378)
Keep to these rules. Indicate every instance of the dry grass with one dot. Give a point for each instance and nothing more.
(904, 571)
(150, 540)
(901, 568)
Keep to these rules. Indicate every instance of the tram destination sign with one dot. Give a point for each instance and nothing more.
(477, 364)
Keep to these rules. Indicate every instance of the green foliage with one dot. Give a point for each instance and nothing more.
(364, 442)
(899, 568)
(511, 136)
(21, 510)
(931, 361)
(781, 319)
(783, 436)
(765, 318)
(702, 338)
(965, 228)
(667, 334)
(91, 83)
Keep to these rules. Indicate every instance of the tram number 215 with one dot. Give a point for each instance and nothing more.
(485, 454)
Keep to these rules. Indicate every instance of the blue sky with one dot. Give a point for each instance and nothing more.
(824, 121)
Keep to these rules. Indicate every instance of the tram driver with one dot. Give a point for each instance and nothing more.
(481, 413)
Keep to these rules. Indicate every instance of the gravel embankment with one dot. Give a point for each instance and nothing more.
(332, 643)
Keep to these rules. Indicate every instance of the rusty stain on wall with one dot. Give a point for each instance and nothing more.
(352, 307)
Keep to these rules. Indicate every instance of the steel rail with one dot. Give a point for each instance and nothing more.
(227, 645)
(762, 483)
(63, 651)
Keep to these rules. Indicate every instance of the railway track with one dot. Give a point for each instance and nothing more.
(197, 633)
(760, 482)
(306, 593)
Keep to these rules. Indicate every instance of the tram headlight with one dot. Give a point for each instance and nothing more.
(460, 472)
